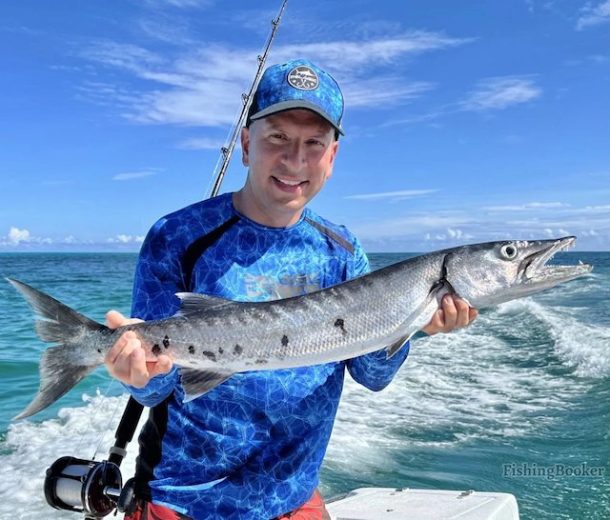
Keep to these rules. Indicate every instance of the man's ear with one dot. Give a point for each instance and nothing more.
(245, 146)
(334, 150)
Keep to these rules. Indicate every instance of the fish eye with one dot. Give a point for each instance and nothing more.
(509, 251)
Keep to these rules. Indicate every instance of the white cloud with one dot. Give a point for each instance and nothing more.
(410, 225)
(459, 234)
(22, 237)
(450, 235)
(16, 235)
(590, 233)
(202, 86)
(556, 232)
(425, 231)
(180, 4)
(594, 15)
(528, 206)
(345, 56)
(201, 143)
(126, 239)
(500, 92)
(382, 92)
(127, 176)
(394, 195)
(122, 55)
(604, 209)
(497, 93)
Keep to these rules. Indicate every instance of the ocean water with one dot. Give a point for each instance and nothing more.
(518, 402)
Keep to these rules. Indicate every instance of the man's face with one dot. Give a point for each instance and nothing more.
(290, 155)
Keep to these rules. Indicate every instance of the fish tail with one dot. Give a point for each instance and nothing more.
(62, 366)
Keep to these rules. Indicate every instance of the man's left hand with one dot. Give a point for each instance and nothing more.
(454, 313)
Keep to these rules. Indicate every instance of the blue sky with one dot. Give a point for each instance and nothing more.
(466, 121)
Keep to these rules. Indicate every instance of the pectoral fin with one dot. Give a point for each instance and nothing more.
(396, 346)
(198, 382)
(418, 318)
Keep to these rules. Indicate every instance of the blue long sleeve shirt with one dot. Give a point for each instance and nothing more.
(252, 447)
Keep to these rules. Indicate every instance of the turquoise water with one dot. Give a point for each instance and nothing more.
(527, 384)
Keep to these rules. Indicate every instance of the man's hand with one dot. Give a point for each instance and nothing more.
(454, 314)
(126, 360)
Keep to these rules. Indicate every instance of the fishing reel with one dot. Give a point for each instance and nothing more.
(94, 488)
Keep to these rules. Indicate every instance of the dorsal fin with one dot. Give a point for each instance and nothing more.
(193, 302)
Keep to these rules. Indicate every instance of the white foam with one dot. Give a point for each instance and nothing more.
(32, 447)
(471, 385)
(582, 346)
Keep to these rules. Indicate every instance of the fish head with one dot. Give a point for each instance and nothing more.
(496, 272)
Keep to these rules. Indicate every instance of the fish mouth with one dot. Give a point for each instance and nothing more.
(534, 268)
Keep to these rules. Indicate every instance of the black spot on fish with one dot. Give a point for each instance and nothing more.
(261, 361)
(340, 323)
(210, 355)
(284, 340)
(221, 350)
(156, 349)
(238, 349)
(99, 350)
(166, 342)
(191, 349)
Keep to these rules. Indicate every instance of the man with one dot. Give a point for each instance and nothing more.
(252, 447)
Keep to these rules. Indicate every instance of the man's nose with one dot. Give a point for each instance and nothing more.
(295, 156)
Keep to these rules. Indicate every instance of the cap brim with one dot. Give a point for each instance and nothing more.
(296, 103)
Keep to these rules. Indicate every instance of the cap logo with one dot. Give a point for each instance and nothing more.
(303, 78)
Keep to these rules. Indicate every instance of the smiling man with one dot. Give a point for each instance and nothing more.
(252, 447)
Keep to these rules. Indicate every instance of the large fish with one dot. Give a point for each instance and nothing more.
(211, 338)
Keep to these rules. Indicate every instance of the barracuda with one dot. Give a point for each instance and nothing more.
(210, 338)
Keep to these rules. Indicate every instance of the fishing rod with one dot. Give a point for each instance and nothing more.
(227, 151)
(95, 488)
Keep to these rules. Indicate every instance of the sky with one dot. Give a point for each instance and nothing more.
(465, 121)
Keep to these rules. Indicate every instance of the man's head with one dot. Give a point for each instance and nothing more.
(298, 84)
(290, 142)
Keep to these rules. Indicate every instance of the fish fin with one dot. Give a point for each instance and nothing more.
(198, 382)
(59, 322)
(397, 345)
(418, 318)
(59, 366)
(193, 302)
(58, 375)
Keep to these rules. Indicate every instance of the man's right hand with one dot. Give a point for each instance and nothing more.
(126, 360)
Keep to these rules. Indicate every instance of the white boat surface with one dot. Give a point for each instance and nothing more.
(422, 504)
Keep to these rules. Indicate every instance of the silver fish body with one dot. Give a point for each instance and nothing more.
(211, 338)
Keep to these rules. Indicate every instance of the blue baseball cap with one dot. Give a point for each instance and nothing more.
(298, 84)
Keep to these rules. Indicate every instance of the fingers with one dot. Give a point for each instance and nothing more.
(457, 312)
(453, 314)
(162, 365)
(462, 312)
(126, 361)
(115, 319)
(472, 314)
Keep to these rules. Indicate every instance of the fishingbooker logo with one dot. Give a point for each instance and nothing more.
(303, 78)
(525, 470)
